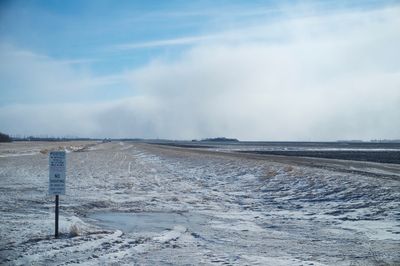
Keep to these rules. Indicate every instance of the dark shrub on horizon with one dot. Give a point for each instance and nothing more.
(5, 138)
(221, 139)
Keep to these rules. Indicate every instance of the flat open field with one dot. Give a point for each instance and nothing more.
(145, 204)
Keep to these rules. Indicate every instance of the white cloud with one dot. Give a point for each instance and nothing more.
(311, 78)
(29, 77)
(113, 118)
(329, 81)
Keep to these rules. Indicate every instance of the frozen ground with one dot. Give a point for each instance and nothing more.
(134, 203)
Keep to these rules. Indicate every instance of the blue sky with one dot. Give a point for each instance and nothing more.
(166, 68)
(92, 31)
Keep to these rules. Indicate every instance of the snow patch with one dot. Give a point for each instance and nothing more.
(171, 235)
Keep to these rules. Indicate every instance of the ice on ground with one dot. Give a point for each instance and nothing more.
(148, 221)
(171, 235)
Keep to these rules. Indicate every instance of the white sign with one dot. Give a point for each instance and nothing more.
(57, 169)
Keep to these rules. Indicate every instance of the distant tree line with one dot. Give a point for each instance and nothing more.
(221, 139)
(5, 138)
(32, 138)
(47, 138)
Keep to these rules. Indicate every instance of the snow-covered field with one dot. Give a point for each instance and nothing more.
(141, 204)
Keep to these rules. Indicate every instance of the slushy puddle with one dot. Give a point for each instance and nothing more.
(148, 221)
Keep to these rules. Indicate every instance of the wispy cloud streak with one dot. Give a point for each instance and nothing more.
(189, 40)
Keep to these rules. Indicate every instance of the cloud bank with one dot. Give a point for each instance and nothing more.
(329, 77)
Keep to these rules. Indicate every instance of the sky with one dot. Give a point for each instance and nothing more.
(252, 70)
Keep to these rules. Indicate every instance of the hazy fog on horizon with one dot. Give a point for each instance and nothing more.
(253, 70)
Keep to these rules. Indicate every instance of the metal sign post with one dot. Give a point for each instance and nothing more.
(57, 175)
(56, 225)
